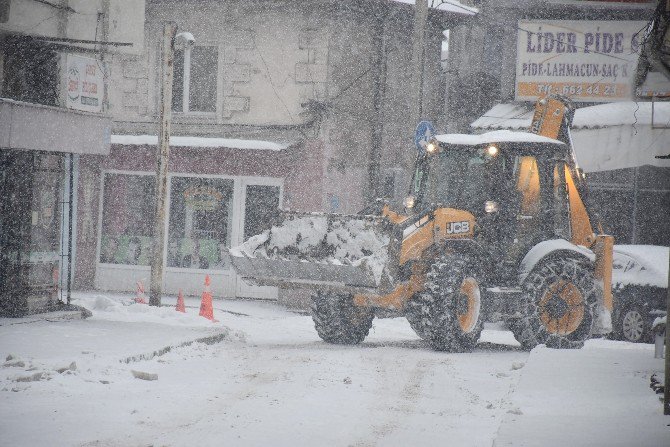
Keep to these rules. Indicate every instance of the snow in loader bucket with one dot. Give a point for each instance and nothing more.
(318, 251)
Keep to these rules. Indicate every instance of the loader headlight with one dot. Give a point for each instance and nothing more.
(490, 206)
(431, 147)
(409, 202)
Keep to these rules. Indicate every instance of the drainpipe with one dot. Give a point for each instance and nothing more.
(416, 98)
(187, 79)
(379, 87)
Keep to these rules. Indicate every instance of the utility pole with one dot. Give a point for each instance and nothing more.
(162, 158)
(418, 53)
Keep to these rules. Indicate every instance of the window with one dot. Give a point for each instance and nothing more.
(31, 71)
(4, 10)
(128, 210)
(200, 222)
(260, 207)
(46, 209)
(201, 73)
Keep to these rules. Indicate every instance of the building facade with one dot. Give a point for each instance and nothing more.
(513, 52)
(279, 104)
(52, 110)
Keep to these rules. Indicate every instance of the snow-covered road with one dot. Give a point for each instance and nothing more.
(269, 380)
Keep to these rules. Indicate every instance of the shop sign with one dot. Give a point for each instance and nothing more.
(203, 198)
(84, 83)
(589, 61)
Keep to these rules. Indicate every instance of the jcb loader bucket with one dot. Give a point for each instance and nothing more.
(317, 251)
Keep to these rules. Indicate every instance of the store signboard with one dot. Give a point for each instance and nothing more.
(84, 83)
(589, 61)
(203, 198)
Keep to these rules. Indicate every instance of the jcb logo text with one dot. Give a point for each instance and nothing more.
(458, 227)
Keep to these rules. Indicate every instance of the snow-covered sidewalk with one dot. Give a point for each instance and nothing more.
(261, 376)
(597, 396)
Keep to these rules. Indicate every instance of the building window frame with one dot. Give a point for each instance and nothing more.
(238, 210)
(101, 198)
(183, 83)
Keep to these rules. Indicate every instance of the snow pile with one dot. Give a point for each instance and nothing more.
(659, 321)
(322, 239)
(641, 265)
(107, 308)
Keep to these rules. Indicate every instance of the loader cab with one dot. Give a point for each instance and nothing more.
(512, 182)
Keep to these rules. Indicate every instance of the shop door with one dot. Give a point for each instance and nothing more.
(30, 230)
(261, 199)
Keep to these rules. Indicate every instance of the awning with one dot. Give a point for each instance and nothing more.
(200, 142)
(606, 137)
(37, 127)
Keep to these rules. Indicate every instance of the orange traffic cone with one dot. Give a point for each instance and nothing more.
(140, 298)
(206, 309)
(180, 303)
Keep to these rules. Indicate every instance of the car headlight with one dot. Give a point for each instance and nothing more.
(490, 206)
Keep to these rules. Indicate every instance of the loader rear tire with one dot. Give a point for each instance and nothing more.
(451, 304)
(557, 306)
(337, 320)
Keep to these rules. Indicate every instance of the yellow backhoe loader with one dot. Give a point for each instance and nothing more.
(494, 229)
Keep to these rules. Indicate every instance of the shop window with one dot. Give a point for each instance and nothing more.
(45, 211)
(128, 210)
(202, 75)
(260, 208)
(200, 222)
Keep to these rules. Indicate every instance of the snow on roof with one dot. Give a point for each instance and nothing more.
(609, 136)
(152, 140)
(505, 116)
(497, 136)
(622, 113)
(519, 116)
(446, 5)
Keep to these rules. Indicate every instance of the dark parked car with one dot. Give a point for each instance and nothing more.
(640, 288)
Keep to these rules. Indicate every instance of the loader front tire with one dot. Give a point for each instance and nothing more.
(557, 306)
(452, 303)
(337, 320)
(415, 314)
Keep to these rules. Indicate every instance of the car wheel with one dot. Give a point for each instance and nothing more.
(634, 326)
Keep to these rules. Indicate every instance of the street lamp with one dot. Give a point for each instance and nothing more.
(170, 40)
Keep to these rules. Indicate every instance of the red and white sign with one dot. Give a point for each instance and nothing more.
(84, 83)
(589, 61)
